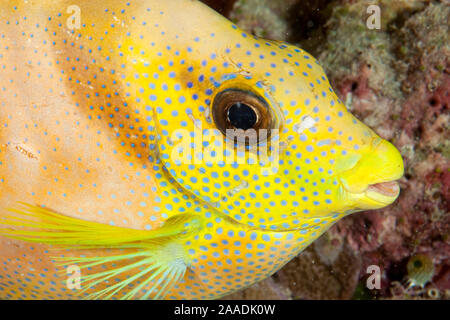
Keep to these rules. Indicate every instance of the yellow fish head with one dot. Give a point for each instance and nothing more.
(256, 131)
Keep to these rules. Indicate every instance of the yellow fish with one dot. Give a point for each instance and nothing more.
(159, 151)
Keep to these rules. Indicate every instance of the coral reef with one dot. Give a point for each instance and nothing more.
(396, 79)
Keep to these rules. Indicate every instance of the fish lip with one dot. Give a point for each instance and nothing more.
(383, 192)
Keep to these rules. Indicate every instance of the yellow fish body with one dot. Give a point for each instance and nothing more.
(166, 153)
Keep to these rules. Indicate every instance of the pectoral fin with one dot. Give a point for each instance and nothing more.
(152, 260)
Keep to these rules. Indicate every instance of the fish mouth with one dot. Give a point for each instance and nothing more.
(372, 182)
(383, 192)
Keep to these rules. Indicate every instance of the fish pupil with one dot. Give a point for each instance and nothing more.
(417, 264)
(241, 116)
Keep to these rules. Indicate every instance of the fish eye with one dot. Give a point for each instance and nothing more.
(241, 116)
(242, 110)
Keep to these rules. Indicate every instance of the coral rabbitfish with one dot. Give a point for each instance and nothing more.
(90, 137)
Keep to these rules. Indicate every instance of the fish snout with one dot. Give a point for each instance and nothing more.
(372, 179)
